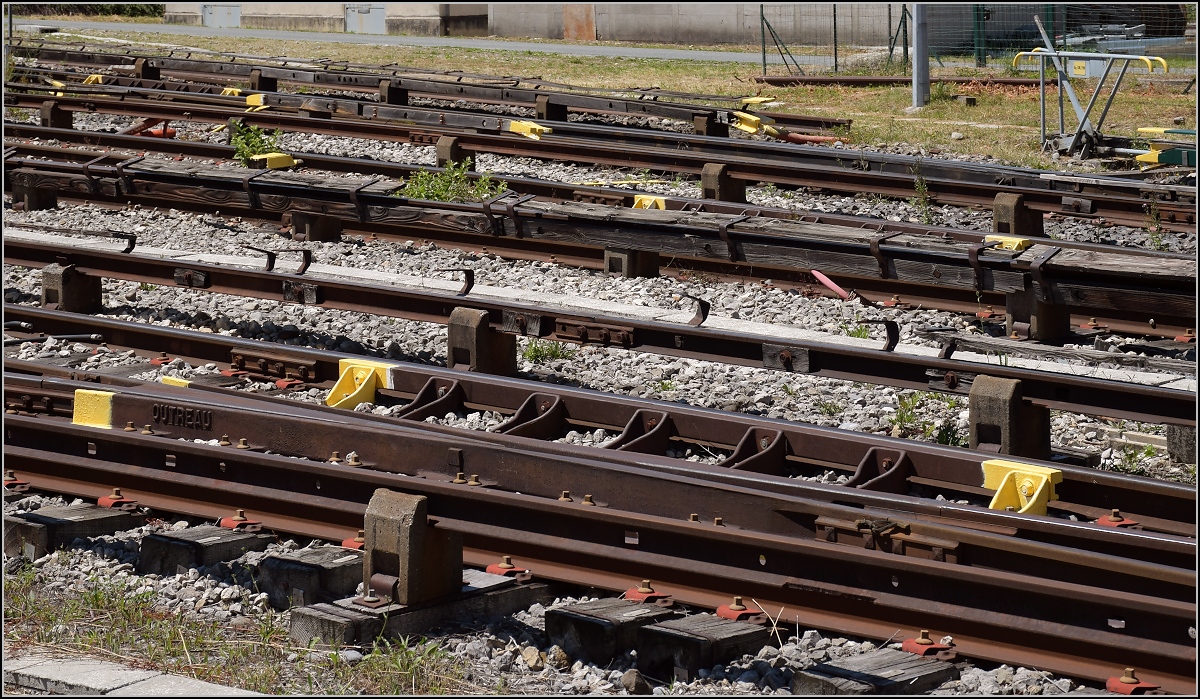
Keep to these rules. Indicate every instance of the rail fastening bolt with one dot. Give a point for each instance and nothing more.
(147, 430)
(242, 443)
(1116, 516)
(362, 536)
(737, 605)
(566, 497)
(129, 427)
(335, 458)
(116, 492)
(224, 442)
(587, 500)
(924, 639)
(718, 521)
(1129, 677)
(645, 588)
(353, 460)
(474, 480)
(370, 596)
(693, 517)
(240, 517)
(506, 562)
(460, 478)
(10, 475)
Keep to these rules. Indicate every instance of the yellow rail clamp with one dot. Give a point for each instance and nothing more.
(646, 201)
(1008, 242)
(1024, 487)
(57, 83)
(92, 408)
(94, 79)
(256, 100)
(357, 383)
(757, 100)
(232, 92)
(750, 123)
(175, 381)
(273, 161)
(529, 129)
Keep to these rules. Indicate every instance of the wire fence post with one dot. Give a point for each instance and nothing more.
(920, 56)
(904, 28)
(980, 36)
(835, 55)
(762, 24)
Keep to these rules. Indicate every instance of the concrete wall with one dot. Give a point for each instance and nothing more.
(419, 18)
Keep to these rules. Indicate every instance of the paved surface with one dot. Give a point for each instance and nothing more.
(40, 672)
(455, 42)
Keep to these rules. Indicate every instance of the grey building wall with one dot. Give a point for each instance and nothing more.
(422, 19)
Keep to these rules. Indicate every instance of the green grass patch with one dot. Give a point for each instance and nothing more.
(539, 351)
(452, 184)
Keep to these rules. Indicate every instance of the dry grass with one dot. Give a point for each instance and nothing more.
(106, 620)
(1003, 124)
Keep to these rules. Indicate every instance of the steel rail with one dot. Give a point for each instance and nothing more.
(1057, 391)
(785, 164)
(978, 604)
(1160, 506)
(1101, 285)
(1156, 563)
(937, 295)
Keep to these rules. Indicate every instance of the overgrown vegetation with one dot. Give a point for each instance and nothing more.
(107, 620)
(452, 184)
(921, 200)
(89, 9)
(249, 141)
(539, 351)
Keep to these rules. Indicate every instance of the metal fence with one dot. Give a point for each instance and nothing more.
(845, 36)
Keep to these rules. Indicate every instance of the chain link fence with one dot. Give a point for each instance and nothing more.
(846, 37)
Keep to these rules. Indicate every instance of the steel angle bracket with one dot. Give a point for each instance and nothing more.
(358, 381)
(787, 358)
(893, 333)
(1023, 488)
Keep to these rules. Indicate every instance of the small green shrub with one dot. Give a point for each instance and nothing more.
(906, 412)
(542, 350)
(249, 141)
(828, 407)
(452, 184)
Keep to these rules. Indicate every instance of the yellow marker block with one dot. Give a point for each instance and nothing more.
(175, 381)
(1008, 242)
(529, 129)
(1024, 487)
(645, 201)
(757, 100)
(232, 91)
(94, 79)
(357, 382)
(257, 100)
(750, 123)
(273, 161)
(92, 408)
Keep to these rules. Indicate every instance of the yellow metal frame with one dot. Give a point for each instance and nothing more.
(647, 201)
(358, 381)
(1008, 242)
(529, 129)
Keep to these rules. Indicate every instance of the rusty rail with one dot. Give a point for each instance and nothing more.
(821, 582)
(1056, 390)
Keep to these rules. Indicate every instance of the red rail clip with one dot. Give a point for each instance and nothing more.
(284, 384)
(1129, 684)
(13, 484)
(234, 372)
(738, 612)
(1115, 520)
(357, 542)
(925, 647)
(116, 501)
(160, 360)
(240, 522)
(646, 595)
(506, 568)
(1190, 336)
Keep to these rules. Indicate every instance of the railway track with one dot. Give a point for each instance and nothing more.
(1063, 391)
(796, 544)
(955, 270)
(740, 161)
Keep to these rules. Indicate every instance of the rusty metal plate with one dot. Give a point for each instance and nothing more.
(299, 292)
(276, 365)
(786, 358)
(594, 333)
(194, 278)
(522, 323)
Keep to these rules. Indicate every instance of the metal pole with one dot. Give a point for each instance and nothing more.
(1116, 85)
(762, 24)
(977, 27)
(835, 56)
(904, 26)
(920, 56)
(1042, 85)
